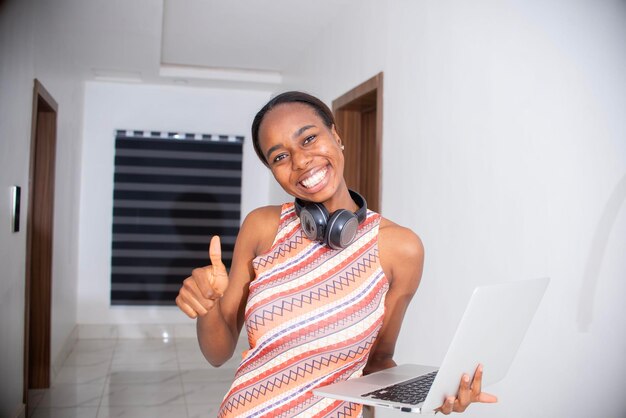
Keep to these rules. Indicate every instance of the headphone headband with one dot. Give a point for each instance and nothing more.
(361, 212)
(338, 229)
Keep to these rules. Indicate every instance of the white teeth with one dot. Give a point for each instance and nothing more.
(314, 179)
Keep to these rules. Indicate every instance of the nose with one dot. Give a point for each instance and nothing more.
(300, 159)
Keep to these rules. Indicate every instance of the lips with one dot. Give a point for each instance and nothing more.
(314, 178)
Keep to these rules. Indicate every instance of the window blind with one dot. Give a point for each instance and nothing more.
(172, 193)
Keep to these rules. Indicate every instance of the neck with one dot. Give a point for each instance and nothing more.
(341, 200)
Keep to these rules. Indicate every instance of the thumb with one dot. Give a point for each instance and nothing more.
(215, 252)
(487, 398)
(220, 276)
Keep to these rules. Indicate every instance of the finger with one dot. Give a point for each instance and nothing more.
(215, 252)
(187, 310)
(485, 397)
(191, 295)
(448, 406)
(464, 397)
(477, 381)
(219, 279)
(202, 279)
(194, 304)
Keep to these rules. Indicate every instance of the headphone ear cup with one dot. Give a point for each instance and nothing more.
(341, 229)
(314, 219)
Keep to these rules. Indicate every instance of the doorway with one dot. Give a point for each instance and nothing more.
(39, 241)
(359, 118)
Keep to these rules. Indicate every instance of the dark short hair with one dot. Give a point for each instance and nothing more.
(289, 97)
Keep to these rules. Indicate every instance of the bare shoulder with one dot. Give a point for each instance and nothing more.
(401, 251)
(264, 214)
(402, 240)
(260, 227)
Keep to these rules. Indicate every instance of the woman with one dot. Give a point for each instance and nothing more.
(318, 306)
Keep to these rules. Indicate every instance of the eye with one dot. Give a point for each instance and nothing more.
(309, 139)
(279, 158)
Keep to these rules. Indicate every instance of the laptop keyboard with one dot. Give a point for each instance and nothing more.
(411, 391)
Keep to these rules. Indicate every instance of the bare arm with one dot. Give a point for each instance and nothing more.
(402, 259)
(217, 298)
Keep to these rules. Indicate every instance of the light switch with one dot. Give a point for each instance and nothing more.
(16, 192)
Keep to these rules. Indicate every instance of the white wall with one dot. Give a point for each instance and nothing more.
(504, 130)
(130, 106)
(16, 76)
(31, 48)
(54, 68)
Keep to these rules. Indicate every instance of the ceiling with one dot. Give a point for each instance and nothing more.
(199, 42)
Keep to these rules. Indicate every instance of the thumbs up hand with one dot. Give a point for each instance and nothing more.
(200, 291)
(218, 278)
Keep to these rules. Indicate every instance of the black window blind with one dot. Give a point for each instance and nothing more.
(172, 192)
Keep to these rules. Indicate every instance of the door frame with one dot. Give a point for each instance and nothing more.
(39, 233)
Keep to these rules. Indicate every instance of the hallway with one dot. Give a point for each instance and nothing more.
(134, 378)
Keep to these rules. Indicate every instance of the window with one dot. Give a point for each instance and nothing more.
(172, 193)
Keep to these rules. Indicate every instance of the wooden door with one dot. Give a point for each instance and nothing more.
(358, 114)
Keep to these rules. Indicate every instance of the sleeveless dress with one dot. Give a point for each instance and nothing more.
(312, 316)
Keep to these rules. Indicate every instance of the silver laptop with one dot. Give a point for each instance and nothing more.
(490, 332)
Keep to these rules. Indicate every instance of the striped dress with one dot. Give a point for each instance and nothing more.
(312, 316)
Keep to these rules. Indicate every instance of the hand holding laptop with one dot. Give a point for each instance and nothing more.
(468, 394)
(491, 330)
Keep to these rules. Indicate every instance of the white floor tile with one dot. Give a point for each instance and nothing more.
(135, 378)
(34, 398)
(191, 355)
(82, 375)
(185, 331)
(207, 375)
(164, 394)
(94, 345)
(144, 344)
(168, 411)
(205, 393)
(144, 376)
(202, 411)
(97, 331)
(144, 352)
(89, 358)
(72, 396)
(80, 412)
(170, 366)
(187, 342)
(145, 331)
(152, 361)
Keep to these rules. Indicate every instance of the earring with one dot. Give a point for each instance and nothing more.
(342, 147)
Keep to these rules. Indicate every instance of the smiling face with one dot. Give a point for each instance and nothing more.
(304, 154)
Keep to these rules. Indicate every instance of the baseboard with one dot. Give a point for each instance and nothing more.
(65, 351)
(21, 411)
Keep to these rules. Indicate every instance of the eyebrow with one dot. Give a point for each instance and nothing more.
(271, 150)
(294, 136)
(301, 130)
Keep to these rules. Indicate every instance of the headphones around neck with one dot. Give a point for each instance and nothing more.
(337, 230)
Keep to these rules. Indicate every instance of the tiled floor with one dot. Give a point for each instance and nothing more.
(134, 378)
